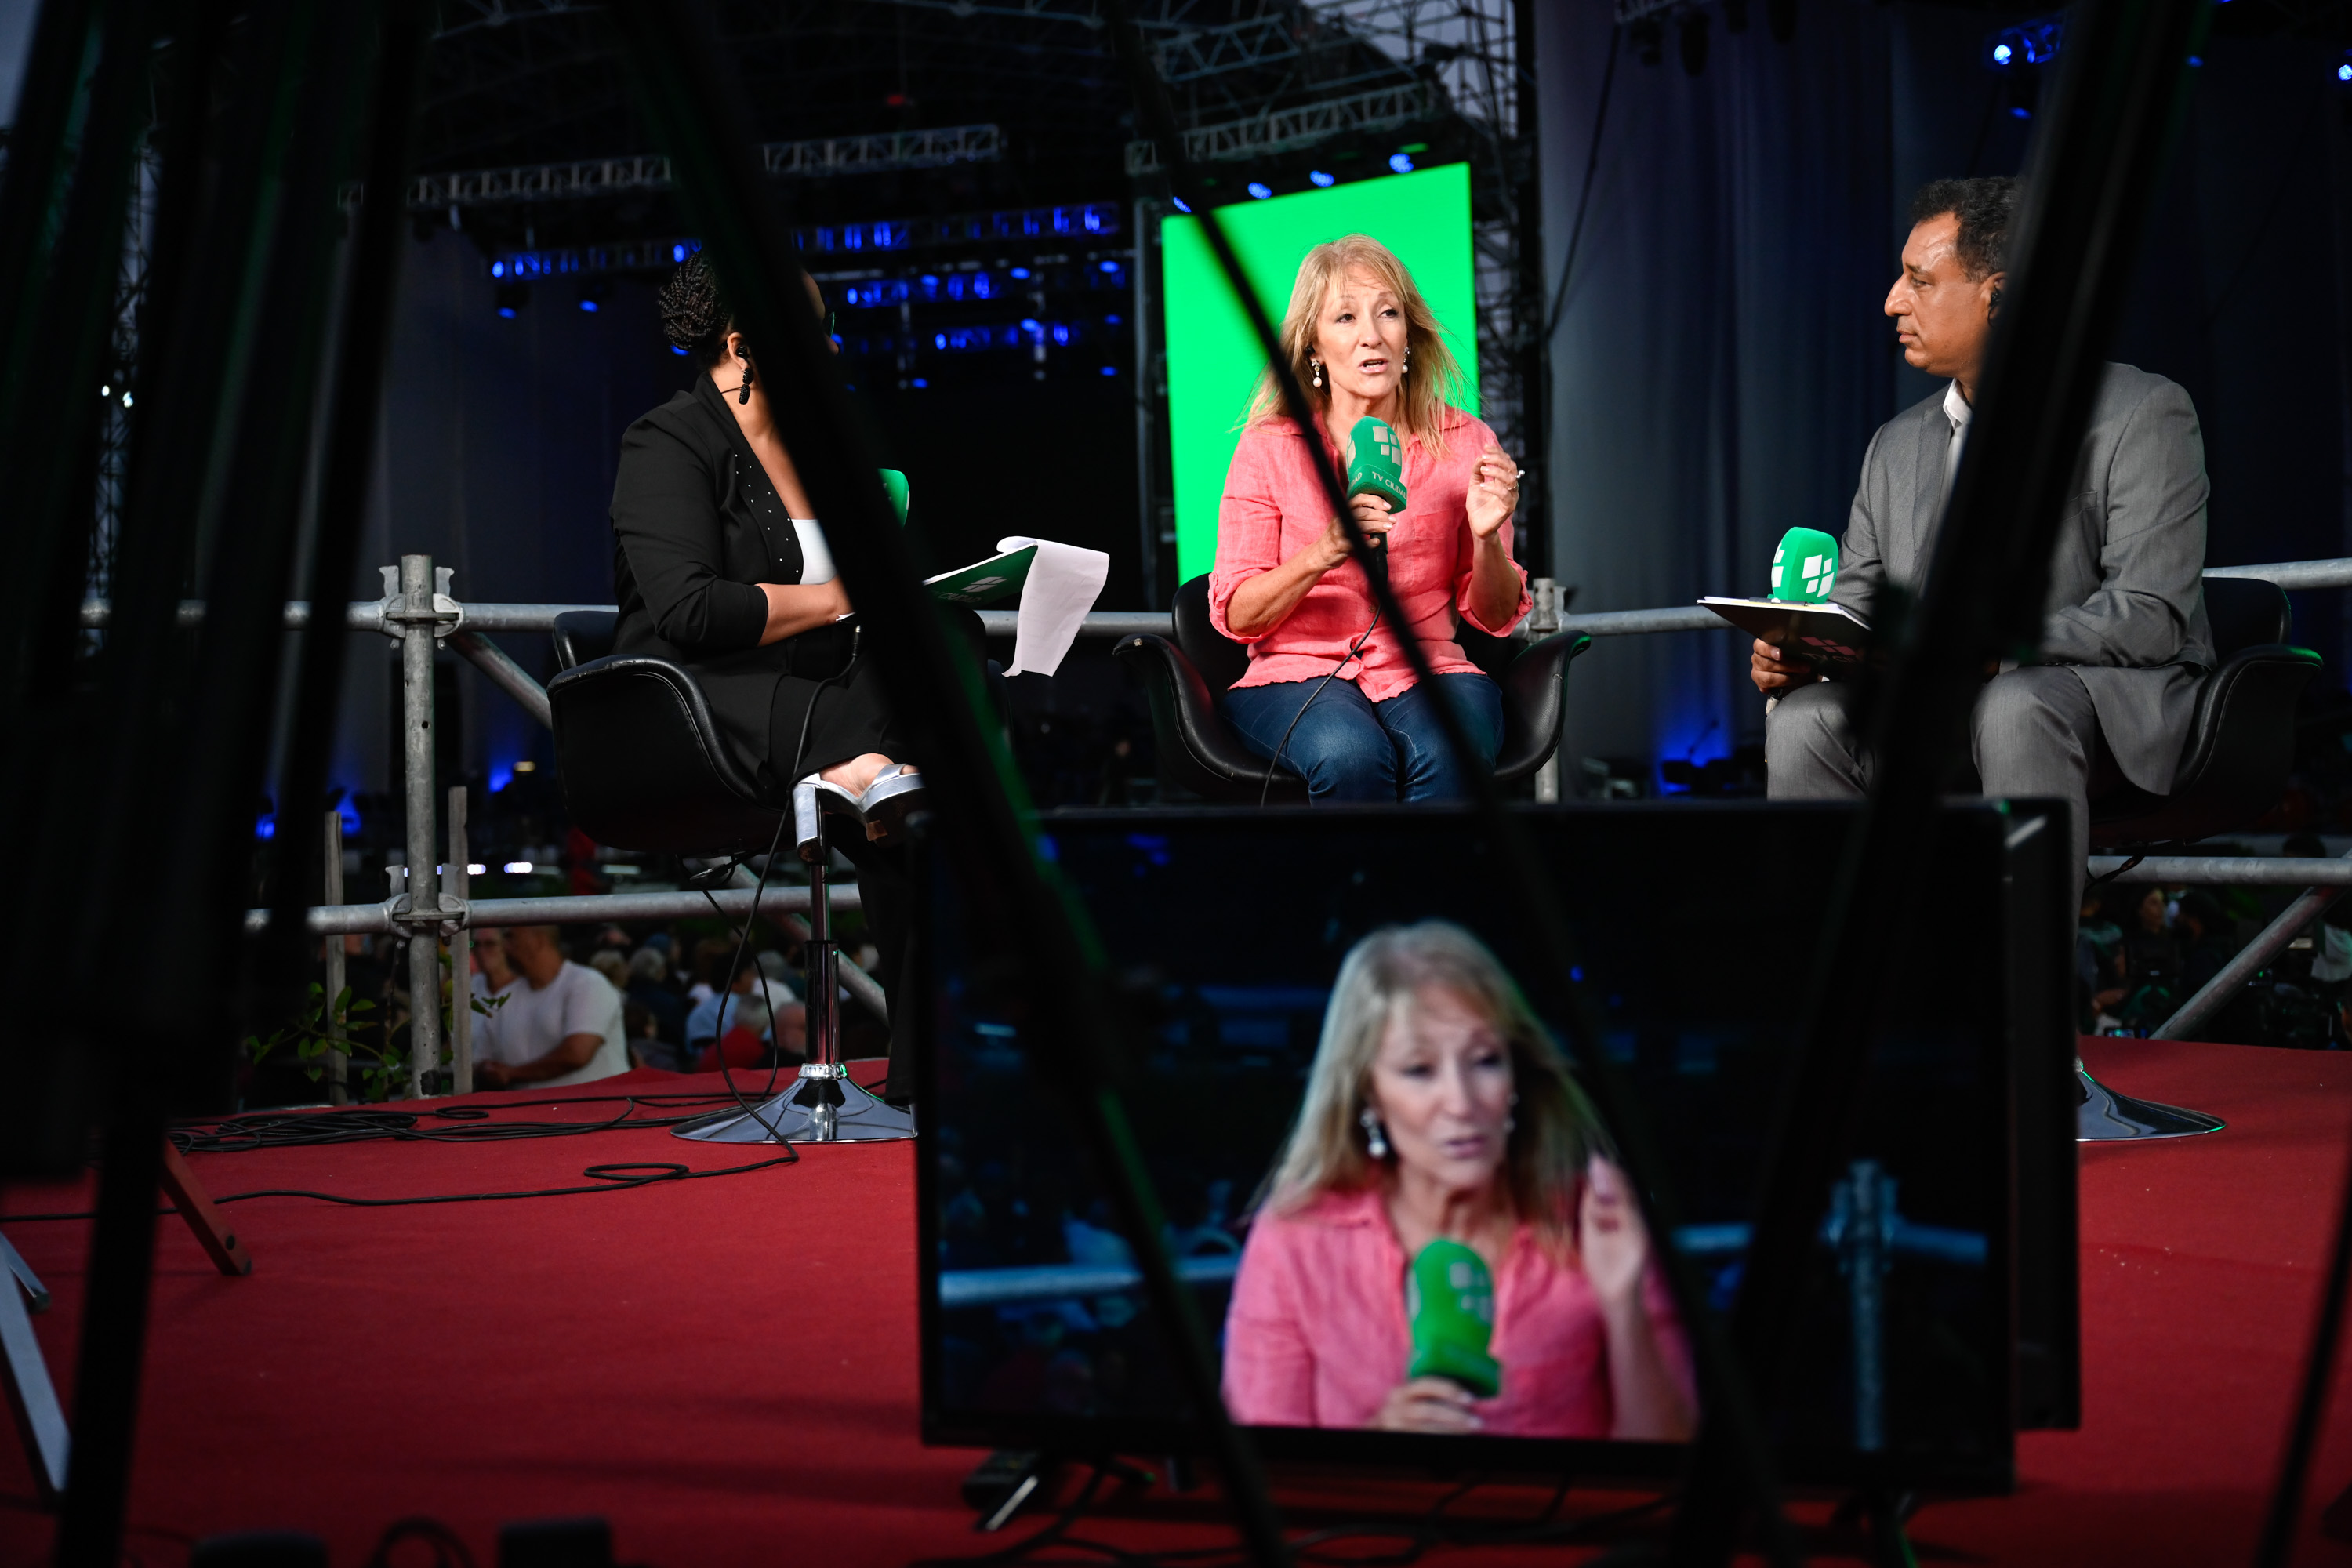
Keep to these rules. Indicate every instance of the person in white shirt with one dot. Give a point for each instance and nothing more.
(556, 1023)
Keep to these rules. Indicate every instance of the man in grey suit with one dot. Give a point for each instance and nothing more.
(2124, 639)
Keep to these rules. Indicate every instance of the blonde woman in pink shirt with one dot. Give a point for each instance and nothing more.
(1361, 341)
(1438, 1107)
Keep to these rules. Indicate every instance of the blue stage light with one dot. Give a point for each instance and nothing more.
(2002, 53)
(589, 306)
(2344, 73)
(1401, 161)
(675, 350)
(938, 340)
(919, 381)
(507, 311)
(502, 775)
(2020, 112)
(2195, 60)
(1110, 266)
(1180, 205)
(1018, 272)
(677, 253)
(1318, 176)
(498, 269)
(1110, 370)
(1260, 189)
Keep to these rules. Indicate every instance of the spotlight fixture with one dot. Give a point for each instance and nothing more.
(1401, 162)
(1260, 189)
(1317, 177)
(1691, 41)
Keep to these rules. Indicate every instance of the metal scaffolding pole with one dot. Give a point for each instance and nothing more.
(417, 621)
(339, 1061)
(461, 953)
(2199, 1010)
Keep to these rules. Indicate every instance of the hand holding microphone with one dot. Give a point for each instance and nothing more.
(1376, 494)
(1449, 1307)
(1804, 570)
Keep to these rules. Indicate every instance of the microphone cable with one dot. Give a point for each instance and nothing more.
(1275, 762)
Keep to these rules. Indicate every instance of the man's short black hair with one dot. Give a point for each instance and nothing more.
(1984, 206)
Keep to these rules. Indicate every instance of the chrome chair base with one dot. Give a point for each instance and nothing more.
(821, 1107)
(2106, 1117)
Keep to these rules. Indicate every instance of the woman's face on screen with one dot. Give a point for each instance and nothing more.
(1442, 1084)
(1360, 335)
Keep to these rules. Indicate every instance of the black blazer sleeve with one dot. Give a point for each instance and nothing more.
(666, 517)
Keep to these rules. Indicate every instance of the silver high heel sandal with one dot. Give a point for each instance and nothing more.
(893, 799)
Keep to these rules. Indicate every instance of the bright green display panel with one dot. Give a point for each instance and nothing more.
(1213, 356)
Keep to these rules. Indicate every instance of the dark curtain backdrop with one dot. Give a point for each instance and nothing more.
(496, 456)
(1721, 359)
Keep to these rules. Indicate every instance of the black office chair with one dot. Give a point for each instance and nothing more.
(2233, 767)
(643, 765)
(1199, 751)
(2241, 740)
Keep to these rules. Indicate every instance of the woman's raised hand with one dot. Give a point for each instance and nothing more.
(1371, 513)
(1609, 1234)
(1427, 1404)
(1494, 492)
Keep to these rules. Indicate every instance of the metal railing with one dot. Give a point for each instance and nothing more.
(419, 612)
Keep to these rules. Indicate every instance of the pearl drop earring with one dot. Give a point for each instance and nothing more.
(1318, 370)
(1376, 1140)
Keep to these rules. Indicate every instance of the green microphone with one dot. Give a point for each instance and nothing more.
(1377, 469)
(894, 485)
(1449, 1301)
(1805, 568)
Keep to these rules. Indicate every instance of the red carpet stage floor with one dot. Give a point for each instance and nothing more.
(726, 1368)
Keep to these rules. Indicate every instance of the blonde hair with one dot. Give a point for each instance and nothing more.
(1555, 1130)
(1435, 381)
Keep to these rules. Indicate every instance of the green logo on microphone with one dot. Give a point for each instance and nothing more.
(1378, 467)
(1804, 569)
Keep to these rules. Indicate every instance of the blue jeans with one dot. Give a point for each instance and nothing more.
(1349, 748)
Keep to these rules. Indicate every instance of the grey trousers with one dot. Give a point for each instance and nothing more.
(2036, 734)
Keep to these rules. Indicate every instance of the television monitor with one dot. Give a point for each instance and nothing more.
(1214, 358)
(1695, 926)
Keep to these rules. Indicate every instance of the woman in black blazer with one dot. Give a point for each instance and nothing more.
(718, 566)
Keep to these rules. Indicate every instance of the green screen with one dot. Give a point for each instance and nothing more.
(1213, 356)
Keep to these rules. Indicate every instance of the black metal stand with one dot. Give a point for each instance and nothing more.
(824, 1104)
(2104, 1116)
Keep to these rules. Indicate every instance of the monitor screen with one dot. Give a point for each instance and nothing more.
(1390, 1194)
(1214, 358)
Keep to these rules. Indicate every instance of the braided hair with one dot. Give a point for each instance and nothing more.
(695, 315)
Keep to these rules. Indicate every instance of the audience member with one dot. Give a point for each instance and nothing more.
(648, 988)
(646, 1046)
(613, 966)
(2099, 958)
(2151, 955)
(2205, 945)
(770, 975)
(711, 956)
(557, 1023)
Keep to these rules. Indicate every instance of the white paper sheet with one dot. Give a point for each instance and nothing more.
(1063, 584)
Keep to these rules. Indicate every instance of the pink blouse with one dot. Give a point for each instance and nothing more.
(1274, 507)
(1316, 1333)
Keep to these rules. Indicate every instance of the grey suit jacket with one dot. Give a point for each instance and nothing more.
(2127, 606)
